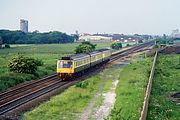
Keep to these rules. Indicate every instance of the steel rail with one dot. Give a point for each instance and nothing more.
(39, 91)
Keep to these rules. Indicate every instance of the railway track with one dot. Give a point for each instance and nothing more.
(132, 50)
(24, 93)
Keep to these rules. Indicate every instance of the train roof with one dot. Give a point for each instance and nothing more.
(76, 57)
(79, 56)
(95, 52)
(84, 55)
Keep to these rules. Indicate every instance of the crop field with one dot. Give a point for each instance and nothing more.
(164, 105)
(48, 53)
(72, 102)
(131, 90)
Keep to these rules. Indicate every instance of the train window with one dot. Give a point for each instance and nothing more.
(65, 64)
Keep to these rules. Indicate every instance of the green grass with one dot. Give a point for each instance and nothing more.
(48, 53)
(165, 83)
(176, 41)
(70, 104)
(131, 90)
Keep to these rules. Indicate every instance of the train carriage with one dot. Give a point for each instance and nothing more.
(106, 53)
(70, 66)
(81, 62)
(96, 57)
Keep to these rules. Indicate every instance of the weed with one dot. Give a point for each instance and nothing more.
(165, 82)
(131, 90)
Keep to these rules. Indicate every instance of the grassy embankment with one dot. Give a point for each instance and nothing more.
(165, 83)
(131, 90)
(48, 53)
(70, 104)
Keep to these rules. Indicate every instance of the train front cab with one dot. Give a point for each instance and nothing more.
(65, 68)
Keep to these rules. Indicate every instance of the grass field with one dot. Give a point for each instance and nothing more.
(48, 53)
(165, 83)
(70, 104)
(131, 90)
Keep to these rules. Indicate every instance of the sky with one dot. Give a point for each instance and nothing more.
(92, 16)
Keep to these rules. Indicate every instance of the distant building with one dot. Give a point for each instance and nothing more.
(87, 37)
(175, 34)
(24, 25)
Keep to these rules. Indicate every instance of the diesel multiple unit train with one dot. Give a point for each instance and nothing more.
(73, 65)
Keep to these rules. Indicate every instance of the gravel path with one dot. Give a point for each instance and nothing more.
(109, 100)
(89, 109)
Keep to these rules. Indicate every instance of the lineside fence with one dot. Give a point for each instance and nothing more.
(148, 90)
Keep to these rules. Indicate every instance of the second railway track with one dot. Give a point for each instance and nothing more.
(24, 93)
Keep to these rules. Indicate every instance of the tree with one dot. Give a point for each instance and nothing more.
(7, 46)
(116, 46)
(19, 37)
(85, 47)
(127, 45)
(89, 43)
(21, 64)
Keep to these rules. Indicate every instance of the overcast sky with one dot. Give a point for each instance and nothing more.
(92, 16)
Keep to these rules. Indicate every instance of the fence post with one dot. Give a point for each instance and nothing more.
(148, 90)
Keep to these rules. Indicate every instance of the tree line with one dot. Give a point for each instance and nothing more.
(19, 37)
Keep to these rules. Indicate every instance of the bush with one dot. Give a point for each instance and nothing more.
(12, 79)
(127, 45)
(116, 46)
(83, 84)
(21, 64)
(7, 46)
(156, 46)
(85, 47)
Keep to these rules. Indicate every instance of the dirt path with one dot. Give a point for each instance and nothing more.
(109, 99)
(88, 110)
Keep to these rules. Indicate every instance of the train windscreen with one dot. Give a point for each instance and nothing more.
(65, 64)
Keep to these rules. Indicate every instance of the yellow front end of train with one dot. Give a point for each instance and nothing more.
(65, 68)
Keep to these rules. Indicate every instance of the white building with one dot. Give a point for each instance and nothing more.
(94, 38)
(24, 25)
(175, 33)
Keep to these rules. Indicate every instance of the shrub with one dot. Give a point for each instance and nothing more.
(7, 46)
(116, 46)
(85, 47)
(21, 64)
(12, 79)
(127, 45)
(83, 84)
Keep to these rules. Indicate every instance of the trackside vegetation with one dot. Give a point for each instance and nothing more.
(85, 47)
(47, 53)
(131, 90)
(70, 104)
(116, 46)
(164, 104)
(21, 64)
